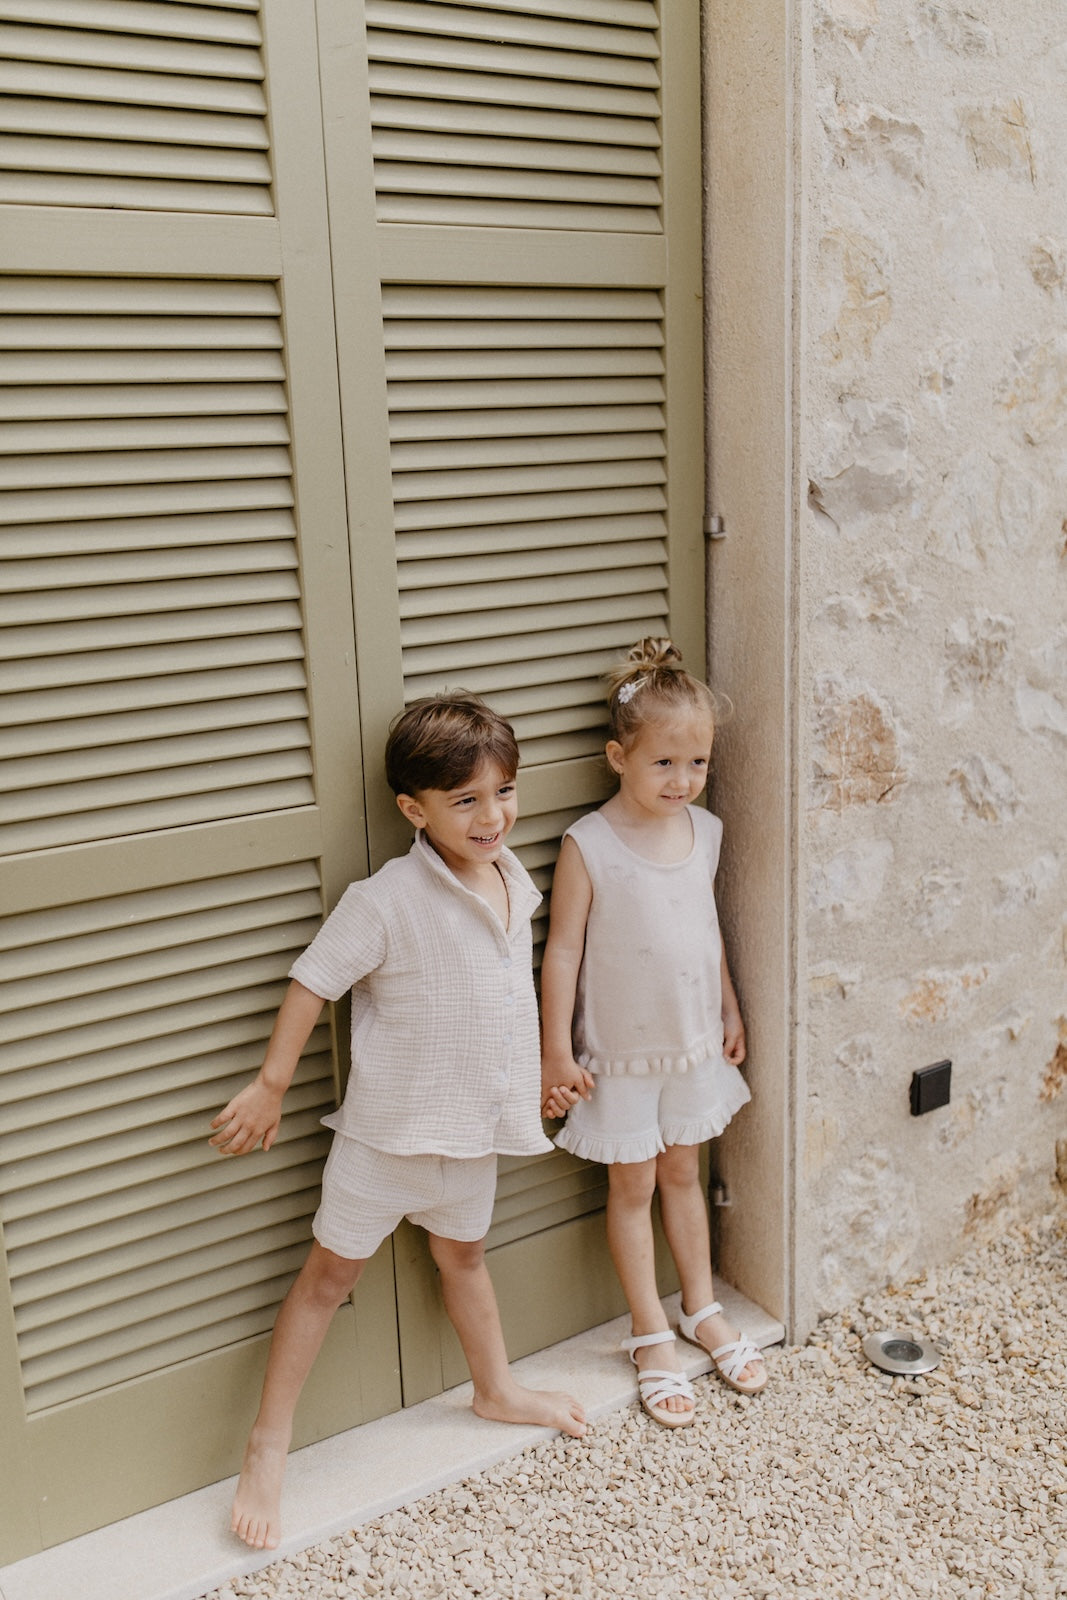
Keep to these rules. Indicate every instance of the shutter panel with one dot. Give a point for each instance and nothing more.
(151, 642)
(176, 683)
(540, 269)
(129, 1028)
(531, 542)
(515, 116)
(142, 105)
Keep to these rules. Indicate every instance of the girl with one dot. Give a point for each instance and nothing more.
(642, 1034)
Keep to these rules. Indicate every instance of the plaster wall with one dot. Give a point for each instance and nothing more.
(918, 261)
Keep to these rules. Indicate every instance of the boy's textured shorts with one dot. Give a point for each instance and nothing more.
(366, 1192)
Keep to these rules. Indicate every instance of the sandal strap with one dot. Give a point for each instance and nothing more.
(689, 1325)
(733, 1358)
(657, 1384)
(640, 1340)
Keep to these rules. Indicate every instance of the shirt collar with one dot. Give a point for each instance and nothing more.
(523, 897)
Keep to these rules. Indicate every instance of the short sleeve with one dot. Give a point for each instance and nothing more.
(350, 943)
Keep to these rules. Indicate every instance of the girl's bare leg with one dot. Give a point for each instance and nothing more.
(472, 1309)
(631, 1185)
(325, 1281)
(685, 1223)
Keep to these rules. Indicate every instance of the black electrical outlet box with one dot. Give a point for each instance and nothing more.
(931, 1087)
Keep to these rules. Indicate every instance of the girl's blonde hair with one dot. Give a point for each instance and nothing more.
(652, 683)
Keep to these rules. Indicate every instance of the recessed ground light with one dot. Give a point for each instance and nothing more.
(901, 1353)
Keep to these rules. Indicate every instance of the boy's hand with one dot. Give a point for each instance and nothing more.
(252, 1115)
(563, 1084)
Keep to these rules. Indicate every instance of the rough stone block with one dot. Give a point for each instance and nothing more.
(874, 144)
(937, 996)
(851, 268)
(1055, 1077)
(857, 757)
(997, 133)
(937, 897)
(1037, 390)
(866, 468)
(1017, 890)
(986, 789)
(1040, 712)
(851, 883)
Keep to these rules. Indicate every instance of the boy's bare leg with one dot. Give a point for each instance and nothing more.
(472, 1309)
(325, 1281)
(685, 1223)
(631, 1185)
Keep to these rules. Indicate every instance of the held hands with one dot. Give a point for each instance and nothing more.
(563, 1084)
(252, 1115)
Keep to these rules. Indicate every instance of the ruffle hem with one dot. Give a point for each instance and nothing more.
(732, 1094)
(645, 1066)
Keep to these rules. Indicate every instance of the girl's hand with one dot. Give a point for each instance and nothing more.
(251, 1116)
(733, 1043)
(563, 1084)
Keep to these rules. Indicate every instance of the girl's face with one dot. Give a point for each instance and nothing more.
(666, 767)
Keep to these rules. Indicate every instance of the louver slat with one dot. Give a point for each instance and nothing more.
(122, 591)
(102, 1291)
(515, 118)
(138, 106)
(225, 22)
(600, 142)
(473, 54)
(138, 52)
(55, 80)
(134, 124)
(512, 25)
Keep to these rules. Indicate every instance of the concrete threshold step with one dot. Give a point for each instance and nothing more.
(183, 1550)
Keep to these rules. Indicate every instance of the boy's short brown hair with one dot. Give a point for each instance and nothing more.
(441, 741)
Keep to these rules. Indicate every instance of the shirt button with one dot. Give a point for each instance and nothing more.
(494, 1111)
(509, 999)
(507, 961)
(507, 1038)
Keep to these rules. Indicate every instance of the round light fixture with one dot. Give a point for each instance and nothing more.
(901, 1353)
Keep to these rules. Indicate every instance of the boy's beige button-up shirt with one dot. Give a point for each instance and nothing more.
(445, 1041)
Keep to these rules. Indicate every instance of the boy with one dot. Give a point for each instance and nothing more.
(445, 1073)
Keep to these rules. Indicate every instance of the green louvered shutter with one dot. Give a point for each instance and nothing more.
(529, 175)
(180, 789)
(196, 558)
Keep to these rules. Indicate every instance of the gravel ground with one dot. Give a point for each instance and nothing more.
(838, 1481)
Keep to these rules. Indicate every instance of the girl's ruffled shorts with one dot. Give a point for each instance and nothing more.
(634, 1118)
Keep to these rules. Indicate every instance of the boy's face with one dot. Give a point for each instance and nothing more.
(466, 826)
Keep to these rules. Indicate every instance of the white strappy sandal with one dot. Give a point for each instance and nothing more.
(656, 1384)
(730, 1359)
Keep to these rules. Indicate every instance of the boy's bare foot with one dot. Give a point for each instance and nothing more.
(548, 1408)
(257, 1504)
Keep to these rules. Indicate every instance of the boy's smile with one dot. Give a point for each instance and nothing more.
(467, 826)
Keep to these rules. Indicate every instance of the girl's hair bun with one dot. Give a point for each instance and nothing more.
(649, 653)
(652, 682)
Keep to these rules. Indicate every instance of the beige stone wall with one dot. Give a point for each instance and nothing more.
(923, 260)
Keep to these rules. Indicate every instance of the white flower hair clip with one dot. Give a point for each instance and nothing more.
(628, 690)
